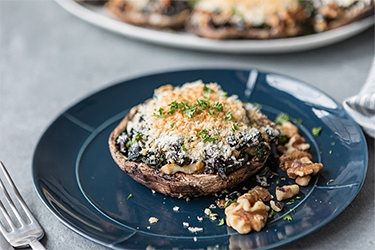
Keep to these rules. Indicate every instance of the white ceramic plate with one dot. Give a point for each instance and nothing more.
(98, 16)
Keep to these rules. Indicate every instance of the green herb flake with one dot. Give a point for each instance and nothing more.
(272, 213)
(298, 120)
(172, 125)
(203, 104)
(221, 222)
(316, 131)
(298, 198)
(137, 137)
(292, 210)
(160, 113)
(190, 112)
(129, 196)
(183, 148)
(287, 217)
(330, 181)
(229, 202)
(333, 143)
(283, 138)
(206, 137)
(277, 182)
(129, 144)
(218, 106)
(257, 106)
(207, 92)
(225, 94)
(290, 202)
(211, 112)
(228, 116)
(330, 152)
(212, 216)
(174, 106)
(281, 118)
(234, 127)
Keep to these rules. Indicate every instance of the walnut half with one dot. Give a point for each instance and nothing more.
(249, 212)
(286, 192)
(299, 164)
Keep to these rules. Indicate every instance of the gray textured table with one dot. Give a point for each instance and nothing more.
(49, 60)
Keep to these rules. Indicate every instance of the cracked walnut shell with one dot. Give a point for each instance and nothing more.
(249, 212)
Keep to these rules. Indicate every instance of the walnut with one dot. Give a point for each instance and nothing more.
(296, 143)
(303, 181)
(288, 128)
(286, 192)
(249, 212)
(299, 164)
(276, 206)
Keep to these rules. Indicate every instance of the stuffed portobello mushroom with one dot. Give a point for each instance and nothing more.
(331, 14)
(151, 13)
(192, 140)
(255, 19)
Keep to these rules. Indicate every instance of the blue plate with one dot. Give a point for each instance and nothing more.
(79, 182)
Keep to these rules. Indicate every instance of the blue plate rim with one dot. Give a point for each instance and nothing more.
(180, 70)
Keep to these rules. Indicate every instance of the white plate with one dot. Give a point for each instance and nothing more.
(98, 16)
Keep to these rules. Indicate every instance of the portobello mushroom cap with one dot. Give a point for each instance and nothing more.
(178, 184)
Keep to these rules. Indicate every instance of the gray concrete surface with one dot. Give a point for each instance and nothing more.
(49, 60)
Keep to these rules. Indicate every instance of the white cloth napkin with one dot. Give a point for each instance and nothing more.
(362, 106)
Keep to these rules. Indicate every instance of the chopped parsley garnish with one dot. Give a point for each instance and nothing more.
(257, 106)
(212, 216)
(298, 120)
(298, 198)
(206, 137)
(292, 210)
(283, 138)
(130, 196)
(330, 181)
(234, 127)
(228, 116)
(183, 148)
(288, 217)
(228, 203)
(203, 104)
(330, 152)
(198, 107)
(174, 106)
(333, 143)
(160, 113)
(190, 112)
(281, 118)
(272, 213)
(277, 181)
(207, 92)
(290, 202)
(316, 131)
(221, 222)
(135, 138)
(225, 94)
(218, 106)
(172, 125)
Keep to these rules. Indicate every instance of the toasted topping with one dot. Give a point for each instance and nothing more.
(196, 128)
